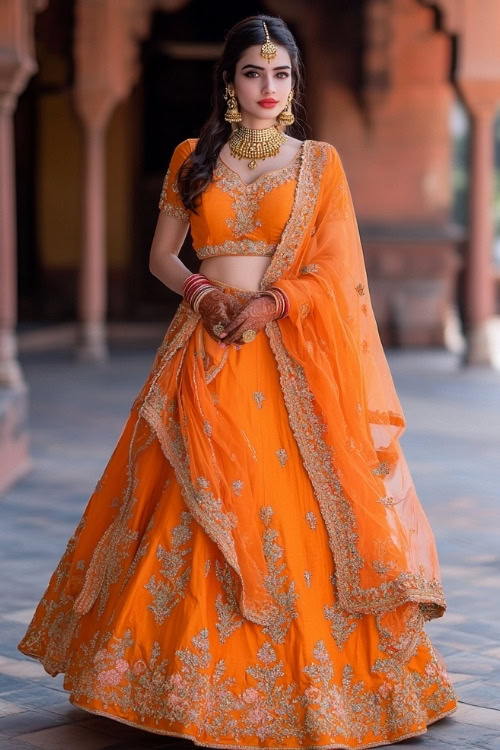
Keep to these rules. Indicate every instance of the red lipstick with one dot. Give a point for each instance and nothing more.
(268, 103)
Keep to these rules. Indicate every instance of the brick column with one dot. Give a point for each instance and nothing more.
(477, 26)
(107, 33)
(480, 300)
(17, 65)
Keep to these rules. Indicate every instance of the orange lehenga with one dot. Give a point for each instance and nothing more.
(254, 568)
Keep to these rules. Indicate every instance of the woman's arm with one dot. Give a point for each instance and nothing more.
(164, 262)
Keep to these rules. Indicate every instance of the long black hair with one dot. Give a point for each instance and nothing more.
(196, 172)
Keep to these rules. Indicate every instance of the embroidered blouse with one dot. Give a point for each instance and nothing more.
(234, 218)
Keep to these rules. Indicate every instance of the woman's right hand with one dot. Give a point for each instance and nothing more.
(218, 307)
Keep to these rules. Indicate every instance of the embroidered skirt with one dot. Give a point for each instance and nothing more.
(165, 647)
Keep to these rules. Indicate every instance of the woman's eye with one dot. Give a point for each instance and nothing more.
(283, 74)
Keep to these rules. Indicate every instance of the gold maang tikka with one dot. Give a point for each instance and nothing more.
(268, 49)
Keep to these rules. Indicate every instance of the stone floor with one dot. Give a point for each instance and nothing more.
(452, 444)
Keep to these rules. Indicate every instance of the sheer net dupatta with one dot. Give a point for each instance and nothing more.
(342, 403)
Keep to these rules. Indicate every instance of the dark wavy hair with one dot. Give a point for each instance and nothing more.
(196, 173)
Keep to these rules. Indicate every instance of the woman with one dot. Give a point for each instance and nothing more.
(254, 567)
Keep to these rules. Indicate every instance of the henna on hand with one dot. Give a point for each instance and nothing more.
(217, 307)
(254, 316)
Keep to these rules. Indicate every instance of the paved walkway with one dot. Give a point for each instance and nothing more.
(452, 445)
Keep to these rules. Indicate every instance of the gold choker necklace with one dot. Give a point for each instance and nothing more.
(253, 144)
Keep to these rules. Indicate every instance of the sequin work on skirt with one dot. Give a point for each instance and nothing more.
(164, 645)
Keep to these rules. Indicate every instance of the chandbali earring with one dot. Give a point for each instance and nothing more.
(232, 113)
(286, 116)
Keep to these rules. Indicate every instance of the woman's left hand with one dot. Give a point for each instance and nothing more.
(254, 316)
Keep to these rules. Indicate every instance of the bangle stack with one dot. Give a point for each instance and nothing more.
(194, 288)
(281, 299)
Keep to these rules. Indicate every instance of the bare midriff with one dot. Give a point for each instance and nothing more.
(243, 271)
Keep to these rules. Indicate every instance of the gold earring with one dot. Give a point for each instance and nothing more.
(232, 113)
(286, 116)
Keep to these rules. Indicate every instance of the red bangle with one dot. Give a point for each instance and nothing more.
(194, 284)
(285, 301)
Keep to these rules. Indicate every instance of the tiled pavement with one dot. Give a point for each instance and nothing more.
(452, 444)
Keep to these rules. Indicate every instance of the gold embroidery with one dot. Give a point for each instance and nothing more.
(304, 310)
(243, 246)
(312, 165)
(335, 509)
(342, 623)
(237, 486)
(276, 581)
(282, 456)
(311, 519)
(388, 501)
(360, 289)
(307, 576)
(247, 198)
(167, 593)
(229, 617)
(273, 708)
(259, 398)
(207, 567)
(381, 469)
(310, 268)
(178, 212)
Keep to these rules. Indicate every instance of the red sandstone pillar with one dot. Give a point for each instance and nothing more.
(480, 300)
(17, 65)
(106, 66)
(477, 27)
(10, 371)
(92, 288)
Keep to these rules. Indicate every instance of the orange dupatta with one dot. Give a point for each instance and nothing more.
(343, 410)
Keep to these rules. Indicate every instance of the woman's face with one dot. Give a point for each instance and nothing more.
(257, 80)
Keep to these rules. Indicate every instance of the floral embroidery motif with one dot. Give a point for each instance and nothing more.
(168, 593)
(229, 616)
(307, 576)
(388, 501)
(381, 469)
(201, 693)
(177, 211)
(247, 198)
(276, 581)
(237, 486)
(364, 309)
(259, 398)
(360, 289)
(311, 519)
(342, 623)
(304, 310)
(207, 567)
(282, 456)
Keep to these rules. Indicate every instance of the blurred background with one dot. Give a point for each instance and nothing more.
(95, 95)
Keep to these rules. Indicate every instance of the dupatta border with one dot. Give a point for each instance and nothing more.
(313, 159)
(308, 428)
